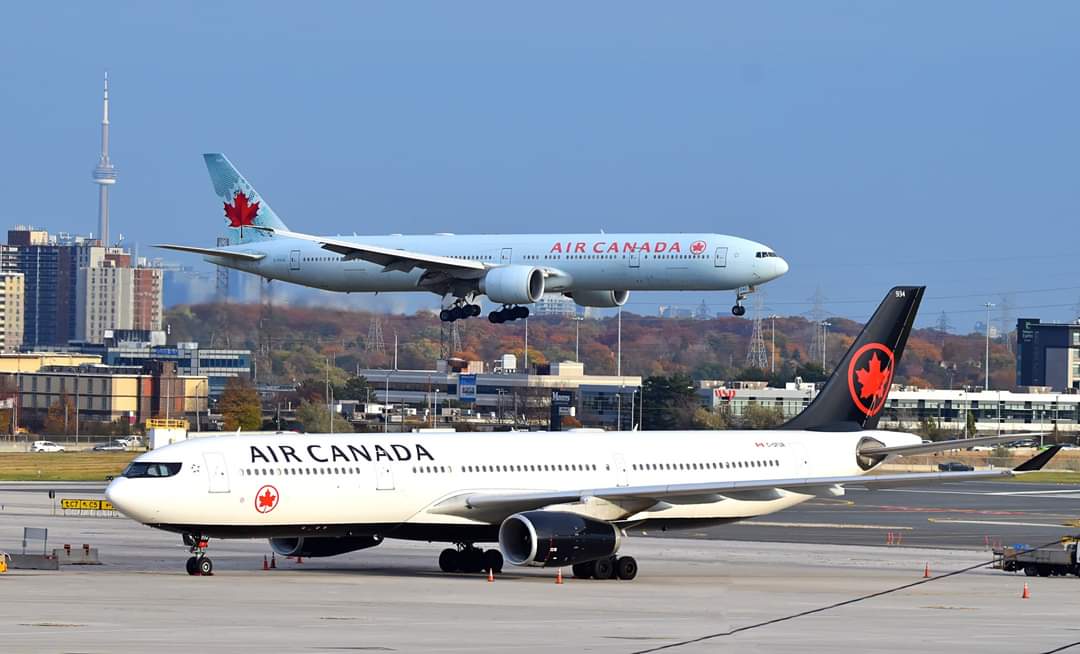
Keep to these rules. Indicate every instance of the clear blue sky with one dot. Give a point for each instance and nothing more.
(870, 143)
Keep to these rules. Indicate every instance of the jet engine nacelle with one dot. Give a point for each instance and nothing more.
(513, 284)
(322, 545)
(556, 538)
(600, 299)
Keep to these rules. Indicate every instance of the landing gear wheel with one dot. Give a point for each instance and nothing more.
(584, 570)
(472, 560)
(449, 560)
(192, 566)
(495, 317)
(493, 560)
(474, 310)
(738, 310)
(205, 567)
(520, 312)
(604, 568)
(626, 568)
(444, 315)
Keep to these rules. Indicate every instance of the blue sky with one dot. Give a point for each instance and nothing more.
(871, 143)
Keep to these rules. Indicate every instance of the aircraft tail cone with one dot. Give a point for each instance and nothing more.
(1027, 593)
(266, 564)
(926, 572)
(273, 561)
(558, 577)
(491, 574)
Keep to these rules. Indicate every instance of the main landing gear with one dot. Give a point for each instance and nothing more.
(468, 558)
(622, 567)
(199, 564)
(459, 312)
(508, 313)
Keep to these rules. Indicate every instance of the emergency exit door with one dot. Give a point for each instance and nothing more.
(720, 261)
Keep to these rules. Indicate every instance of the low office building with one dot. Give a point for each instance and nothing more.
(101, 393)
(510, 397)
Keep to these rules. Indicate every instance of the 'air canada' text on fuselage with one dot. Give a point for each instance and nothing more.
(319, 453)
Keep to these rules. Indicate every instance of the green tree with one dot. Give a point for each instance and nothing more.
(811, 372)
(756, 416)
(61, 417)
(355, 388)
(969, 425)
(240, 406)
(314, 419)
(670, 402)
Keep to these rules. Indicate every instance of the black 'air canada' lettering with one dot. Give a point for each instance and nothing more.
(354, 453)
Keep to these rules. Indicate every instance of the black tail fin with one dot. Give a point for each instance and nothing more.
(855, 393)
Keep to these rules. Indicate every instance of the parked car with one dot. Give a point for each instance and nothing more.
(111, 446)
(46, 446)
(954, 466)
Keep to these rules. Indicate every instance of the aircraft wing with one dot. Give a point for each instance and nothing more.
(497, 506)
(941, 446)
(388, 258)
(214, 252)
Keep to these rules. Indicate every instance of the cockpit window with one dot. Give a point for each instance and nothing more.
(151, 469)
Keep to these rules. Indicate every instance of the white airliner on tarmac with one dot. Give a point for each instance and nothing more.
(514, 270)
(547, 499)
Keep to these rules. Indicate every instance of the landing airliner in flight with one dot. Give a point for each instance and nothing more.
(513, 270)
(547, 499)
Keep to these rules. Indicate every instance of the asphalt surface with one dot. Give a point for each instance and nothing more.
(968, 515)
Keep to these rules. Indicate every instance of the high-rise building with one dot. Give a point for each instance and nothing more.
(147, 301)
(111, 297)
(11, 311)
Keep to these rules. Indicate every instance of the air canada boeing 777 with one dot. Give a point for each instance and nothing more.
(512, 270)
(547, 499)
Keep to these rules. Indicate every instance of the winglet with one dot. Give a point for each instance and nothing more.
(1039, 460)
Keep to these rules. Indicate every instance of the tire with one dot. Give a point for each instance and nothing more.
(1044, 571)
(472, 560)
(474, 310)
(584, 570)
(495, 317)
(444, 315)
(192, 566)
(493, 560)
(604, 569)
(205, 567)
(449, 561)
(626, 568)
(521, 312)
(1030, 570)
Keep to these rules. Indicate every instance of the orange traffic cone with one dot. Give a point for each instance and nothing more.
(926, 572)
(1026, 594)
(491, 574)
(558, 577)
(273, 562)
(266, 565)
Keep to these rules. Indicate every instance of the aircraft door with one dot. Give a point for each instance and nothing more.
(507, 255)
(294, 260)
(721, 258)
(217, 471)
(635, 258)
(620, 471)
(384, 476)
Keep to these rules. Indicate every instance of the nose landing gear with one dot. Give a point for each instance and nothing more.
(508, 313)
(740, 295)
(199, 564)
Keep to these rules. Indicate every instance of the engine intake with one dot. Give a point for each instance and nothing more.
(600, 299)
(322, 545)
(556, 538)
(513, 284)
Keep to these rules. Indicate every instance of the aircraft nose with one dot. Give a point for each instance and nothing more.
(123, 497)
(781, 267)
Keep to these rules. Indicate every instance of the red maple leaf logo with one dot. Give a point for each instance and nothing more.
(872, 380)
(240, 213)
(267, 498)
(697, 247)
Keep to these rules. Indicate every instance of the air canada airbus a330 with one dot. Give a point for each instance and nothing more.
(512, 270)
(547, 499)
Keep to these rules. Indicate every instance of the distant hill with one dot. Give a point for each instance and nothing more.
(293, 343)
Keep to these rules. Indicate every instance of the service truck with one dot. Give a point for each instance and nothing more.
(1056, 560)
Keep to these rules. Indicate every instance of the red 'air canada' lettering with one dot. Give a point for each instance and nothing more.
(614, 247)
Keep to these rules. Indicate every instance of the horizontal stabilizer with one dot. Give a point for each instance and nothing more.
(940, 446)
(214, 252)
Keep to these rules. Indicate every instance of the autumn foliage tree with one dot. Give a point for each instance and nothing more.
(240, 406)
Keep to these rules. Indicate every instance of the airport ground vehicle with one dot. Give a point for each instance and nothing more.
(1056, 560)
(954, 466)
(46, 446)
(111, 446)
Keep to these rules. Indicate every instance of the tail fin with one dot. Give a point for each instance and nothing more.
(243, 205)
(855, 393)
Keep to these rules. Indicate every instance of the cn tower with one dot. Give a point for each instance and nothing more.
(104, 175)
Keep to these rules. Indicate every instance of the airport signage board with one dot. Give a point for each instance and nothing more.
(86, 505)
(467, 388)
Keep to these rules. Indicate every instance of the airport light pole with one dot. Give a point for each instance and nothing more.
(825, 324)
(577, 337)
(986, 386)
